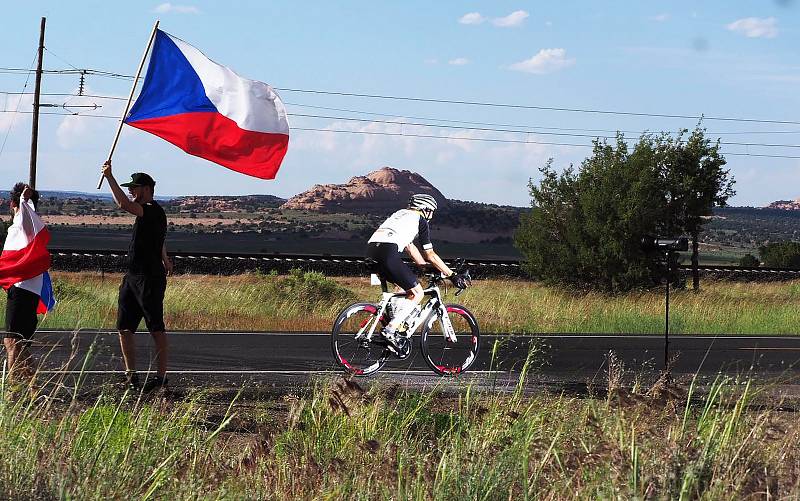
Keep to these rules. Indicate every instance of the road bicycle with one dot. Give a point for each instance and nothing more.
(449, 336)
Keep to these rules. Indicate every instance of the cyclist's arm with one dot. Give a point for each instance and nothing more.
(414, 254)
(437, 262)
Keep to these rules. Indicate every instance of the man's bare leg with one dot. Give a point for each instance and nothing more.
(19, 358)
(128, 347)
(160, 340)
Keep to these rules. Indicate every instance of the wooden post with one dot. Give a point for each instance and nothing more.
(130, 98)
(36, 93)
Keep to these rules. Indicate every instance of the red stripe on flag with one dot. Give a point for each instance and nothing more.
(219, 139)
(25, 263)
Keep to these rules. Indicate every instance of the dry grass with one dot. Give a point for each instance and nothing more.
(345, 441)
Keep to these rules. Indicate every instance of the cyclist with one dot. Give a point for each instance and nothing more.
(398, 233)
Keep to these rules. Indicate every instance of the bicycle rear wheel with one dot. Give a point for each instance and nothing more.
(357, 355)
(447, 357)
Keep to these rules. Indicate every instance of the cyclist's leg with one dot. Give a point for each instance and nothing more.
(396, 271)
(413, 298)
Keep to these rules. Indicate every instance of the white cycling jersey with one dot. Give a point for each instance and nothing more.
(402, 228)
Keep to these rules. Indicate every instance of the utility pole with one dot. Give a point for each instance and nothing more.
(36, 94)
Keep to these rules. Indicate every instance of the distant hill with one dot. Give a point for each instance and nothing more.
(217, 203)
(379, 191)
(785, 204)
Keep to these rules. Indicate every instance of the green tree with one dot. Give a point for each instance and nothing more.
(749, 260)
(586, 227)
(695, 182)
(780, 255)
(4, 224)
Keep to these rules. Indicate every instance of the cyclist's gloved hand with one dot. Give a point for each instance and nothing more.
(460, 281)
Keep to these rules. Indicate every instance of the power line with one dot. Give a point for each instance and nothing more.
(495, 124)
(528, 128)
(477, 129)
(510, 131)
(463, 102)
(534, 107)
(495, 140)
(19, 101)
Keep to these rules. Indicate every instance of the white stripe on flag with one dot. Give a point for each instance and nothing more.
(253, 105)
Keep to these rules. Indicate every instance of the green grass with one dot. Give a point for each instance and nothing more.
(310, 301)
(341, 441)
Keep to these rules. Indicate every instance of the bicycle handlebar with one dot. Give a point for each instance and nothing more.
(436, 278)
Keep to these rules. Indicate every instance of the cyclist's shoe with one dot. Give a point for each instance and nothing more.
(398, 344)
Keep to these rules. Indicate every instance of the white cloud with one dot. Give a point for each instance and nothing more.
(545, 61)
(660, 18)
(371, 147)
(76, 131)
(755, 27)
(514, 19)
(167, 7)
(472, 18)
(459, 61)
(11, 103)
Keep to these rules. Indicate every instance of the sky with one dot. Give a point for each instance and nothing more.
(725, 59)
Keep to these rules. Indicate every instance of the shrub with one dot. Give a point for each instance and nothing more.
(749, 260)
(781, 255)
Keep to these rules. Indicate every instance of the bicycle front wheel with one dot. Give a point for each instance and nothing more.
(348, 340)
(445, 356)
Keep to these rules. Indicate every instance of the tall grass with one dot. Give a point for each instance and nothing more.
(310, 301)
(343, 441)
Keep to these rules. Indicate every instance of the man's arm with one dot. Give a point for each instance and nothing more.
(414, 254)
(123, 202)
(165, 259)
(437, 262)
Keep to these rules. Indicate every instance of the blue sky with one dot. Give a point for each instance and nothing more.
(734, 59)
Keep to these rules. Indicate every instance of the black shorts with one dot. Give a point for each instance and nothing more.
(141, 296)
(21, 312)
(391, 266)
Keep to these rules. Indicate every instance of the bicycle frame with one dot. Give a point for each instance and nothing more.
(433, 308)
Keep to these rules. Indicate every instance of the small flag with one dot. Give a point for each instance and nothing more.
(209, 111)
(25, 259)
(25, 253)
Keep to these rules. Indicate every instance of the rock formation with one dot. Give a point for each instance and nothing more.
(382, 190)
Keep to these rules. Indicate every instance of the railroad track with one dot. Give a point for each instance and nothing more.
(231, 263)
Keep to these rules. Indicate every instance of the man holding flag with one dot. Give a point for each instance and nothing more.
(141, 294)
(23, 274)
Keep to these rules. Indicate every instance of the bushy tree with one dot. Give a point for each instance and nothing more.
(695, 182)
(749, 260)
(780, 255)
(586, 227)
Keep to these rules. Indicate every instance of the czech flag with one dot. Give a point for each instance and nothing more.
(25, 259)
(209, 111)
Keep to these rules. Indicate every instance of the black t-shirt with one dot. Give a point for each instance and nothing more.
(149, 231)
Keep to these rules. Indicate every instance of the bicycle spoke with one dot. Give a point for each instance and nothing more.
(349, 344)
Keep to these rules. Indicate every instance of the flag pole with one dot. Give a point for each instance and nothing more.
(130, 97)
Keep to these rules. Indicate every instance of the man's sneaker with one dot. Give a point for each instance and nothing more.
(131, 381)
(154, 382)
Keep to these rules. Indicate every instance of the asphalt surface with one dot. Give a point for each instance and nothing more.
(285, 362)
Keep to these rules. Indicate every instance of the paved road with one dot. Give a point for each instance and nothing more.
(286, 360)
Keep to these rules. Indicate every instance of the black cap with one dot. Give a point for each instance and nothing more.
(140, 179)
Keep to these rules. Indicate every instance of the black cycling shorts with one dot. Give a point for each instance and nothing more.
(390, 266)
(141, 296)
(21, 312)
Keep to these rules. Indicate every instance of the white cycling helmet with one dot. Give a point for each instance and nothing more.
(422, 201)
